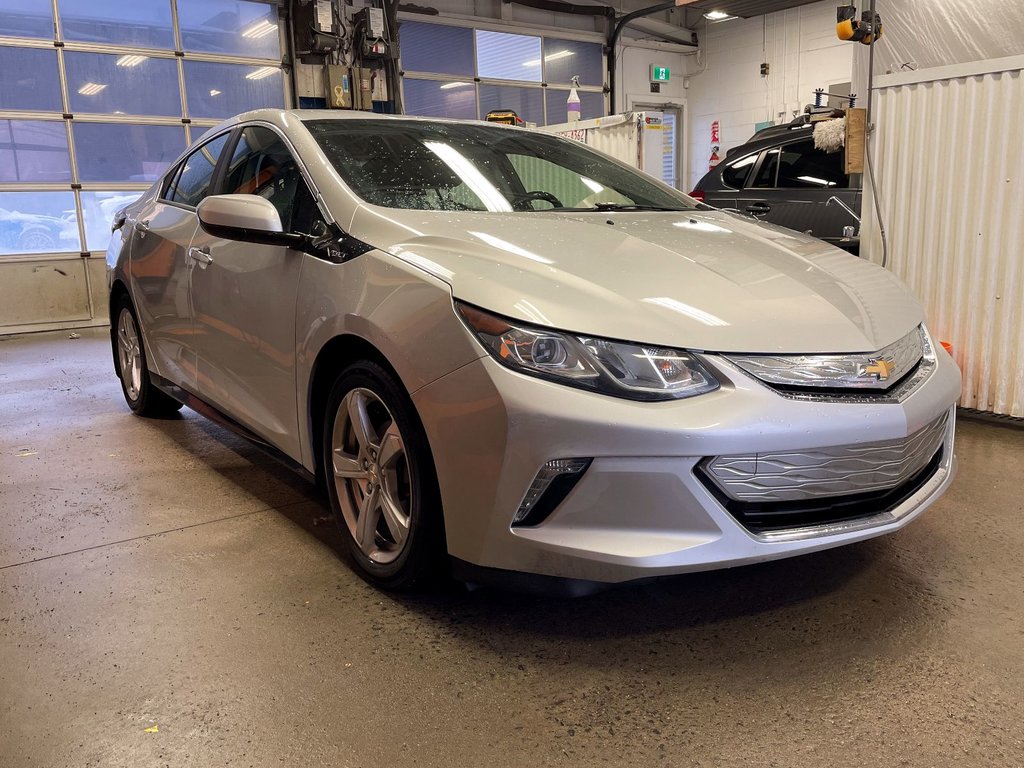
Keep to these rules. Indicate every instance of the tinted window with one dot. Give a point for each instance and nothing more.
(735, 174)
(192, 182)
(768, 170)
(801, 165)
(261, 164)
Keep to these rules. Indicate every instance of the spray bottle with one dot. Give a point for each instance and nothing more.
(572, 104)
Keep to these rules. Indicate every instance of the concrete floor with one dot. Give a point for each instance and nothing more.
(165, 575)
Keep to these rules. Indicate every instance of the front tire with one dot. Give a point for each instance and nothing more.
(130, 361)
(381, 479)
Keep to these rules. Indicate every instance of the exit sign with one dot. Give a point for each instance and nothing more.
(659, 74)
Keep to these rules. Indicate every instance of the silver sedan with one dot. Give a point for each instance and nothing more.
(505, 353)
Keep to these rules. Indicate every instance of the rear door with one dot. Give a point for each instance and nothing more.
(727, 181)
(244, 296)
(793, 186)
(160, 266)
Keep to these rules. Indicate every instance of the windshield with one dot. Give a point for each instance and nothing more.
(467, 167)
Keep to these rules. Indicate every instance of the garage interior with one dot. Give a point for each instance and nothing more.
(170, 595)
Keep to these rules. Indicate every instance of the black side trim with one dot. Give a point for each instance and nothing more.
(760, 517)
(203, 408)
(556, 492)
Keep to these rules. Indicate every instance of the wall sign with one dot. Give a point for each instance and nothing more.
(660, 74)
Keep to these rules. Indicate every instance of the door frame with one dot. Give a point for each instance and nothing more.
(657, 103)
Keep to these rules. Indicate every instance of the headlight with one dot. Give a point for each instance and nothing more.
(633, 371)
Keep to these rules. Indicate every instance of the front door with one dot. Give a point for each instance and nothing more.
(160, 264)
(244, 296)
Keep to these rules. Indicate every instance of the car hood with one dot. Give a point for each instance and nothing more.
(705, 280)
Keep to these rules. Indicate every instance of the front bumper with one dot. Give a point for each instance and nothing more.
(641, 510)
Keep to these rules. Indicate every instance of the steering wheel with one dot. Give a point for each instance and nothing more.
(538, 195)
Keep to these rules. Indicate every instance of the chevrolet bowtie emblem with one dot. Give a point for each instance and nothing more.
(880, 368)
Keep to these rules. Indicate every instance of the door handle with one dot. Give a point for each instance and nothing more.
(201, 255)
(758, 208)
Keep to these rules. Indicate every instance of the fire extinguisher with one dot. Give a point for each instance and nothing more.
(713, 161)
(715, 145)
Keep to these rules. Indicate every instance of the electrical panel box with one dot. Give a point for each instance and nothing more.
(363, 91)
(316, 29)
(375, 23)
(338, 84)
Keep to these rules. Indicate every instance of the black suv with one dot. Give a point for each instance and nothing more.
(779, 177)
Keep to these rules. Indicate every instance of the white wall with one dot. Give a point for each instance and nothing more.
(633, 74)
(803, 53)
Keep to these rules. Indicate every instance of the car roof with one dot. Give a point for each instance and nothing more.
(778, 139)
(282, 117)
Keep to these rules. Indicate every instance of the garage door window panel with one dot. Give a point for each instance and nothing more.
(591, 105)
(192, 182)
(437, 98)
(437, 48)
(119, 152)
(139, 23)
(34, 151)
(504, 56)
(230, 27)
(129, 84)
(38, 222)
(26, 18)
(98, 209)
(565, 58)
(526, 102)
(216, 90)
(30, 80)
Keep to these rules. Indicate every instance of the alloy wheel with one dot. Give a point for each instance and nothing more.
(371, 475)
(129, 354)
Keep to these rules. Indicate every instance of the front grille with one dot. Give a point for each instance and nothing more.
(768, 491)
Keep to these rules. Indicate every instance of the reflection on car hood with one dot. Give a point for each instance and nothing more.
(705, 280)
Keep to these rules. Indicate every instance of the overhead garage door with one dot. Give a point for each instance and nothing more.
(96, 98)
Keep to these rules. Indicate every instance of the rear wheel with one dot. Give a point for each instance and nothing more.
(130, 359)
(381, 479)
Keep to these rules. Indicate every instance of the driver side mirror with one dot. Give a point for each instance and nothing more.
(246, 218)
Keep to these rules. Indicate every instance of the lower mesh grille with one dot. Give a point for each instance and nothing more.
(770, 491)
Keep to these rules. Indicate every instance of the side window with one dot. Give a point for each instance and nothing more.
(191, 183)
(767, 171)
(803, 166)
(735, 174)
(262, 164)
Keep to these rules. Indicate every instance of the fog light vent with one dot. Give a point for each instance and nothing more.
(549, 488)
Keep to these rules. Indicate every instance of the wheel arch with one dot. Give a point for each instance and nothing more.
(334, 357)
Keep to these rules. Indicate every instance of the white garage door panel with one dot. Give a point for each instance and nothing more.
(51, 291)
(951, 180)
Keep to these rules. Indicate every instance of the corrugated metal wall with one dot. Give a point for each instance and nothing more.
(950, 174)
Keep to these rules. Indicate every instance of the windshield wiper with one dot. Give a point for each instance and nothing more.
(631, 207)
(604, 207)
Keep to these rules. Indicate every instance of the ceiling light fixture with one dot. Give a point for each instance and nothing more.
(458, 84)
(550, 57)
(214, 92)
(131, 60)
(261, 28)
(719, 16)
(91, 89)
(259, 74)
